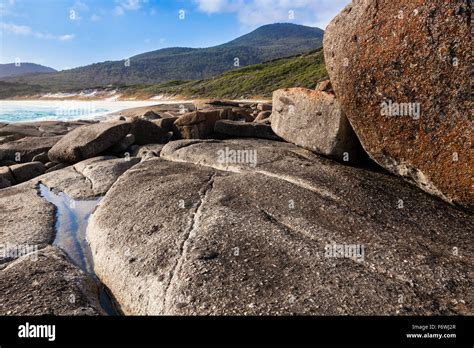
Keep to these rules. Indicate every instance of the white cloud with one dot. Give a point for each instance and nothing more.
(27, 31)
(119, 11)
(253, 13)
(16, 29)
(66, 37)
(95, 18)
(80, 6)
(216, 6)
(128, 5)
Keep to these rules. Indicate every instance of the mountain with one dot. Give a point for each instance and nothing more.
(265, 43)
(253, 81)
(7, 70)
(258, 80)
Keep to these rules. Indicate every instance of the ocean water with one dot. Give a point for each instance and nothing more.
(13, 111)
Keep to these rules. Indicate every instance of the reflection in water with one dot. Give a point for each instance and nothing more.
(72, 217)
(71, 225)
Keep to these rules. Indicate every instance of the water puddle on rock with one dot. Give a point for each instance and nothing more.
(72, 217)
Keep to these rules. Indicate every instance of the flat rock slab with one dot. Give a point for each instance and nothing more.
(89, 178)
(20, 130)
(69, 181)
(256, 239)
(272, 158)
(60, 127)
(159, 109)
(38, 129)
(25, 149)
(103, 174)
(46, 283)
(27, 221)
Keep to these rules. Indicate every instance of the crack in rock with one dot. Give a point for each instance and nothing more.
(86, 178)
(289, 229)
(190, 232)
(298, 182)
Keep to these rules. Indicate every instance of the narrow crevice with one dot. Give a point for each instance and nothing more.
(194, 142)
(190, 232)
(318, 243)
(86, 179)
(289, 230)
(298, 182)
(301, 183)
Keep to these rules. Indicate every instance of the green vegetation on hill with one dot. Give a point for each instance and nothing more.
(253, 81)
(268, 42)
(11, 89)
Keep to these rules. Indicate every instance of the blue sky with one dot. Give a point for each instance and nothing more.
(70, 33)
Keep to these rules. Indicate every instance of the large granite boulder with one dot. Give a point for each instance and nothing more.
(402, 72)
(88, 141)
(263, 116)
(147, 132)
(47, 283)
(152, 150)
(26, 171)
(167, 123)
(197, 124)
(41, 157)
(239, 114)
(240, 237)
(123, 145)
(6, 177)
(314, 121)
(264, 107)
(241, 129)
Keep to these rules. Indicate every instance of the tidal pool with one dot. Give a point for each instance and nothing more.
(72, 217)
